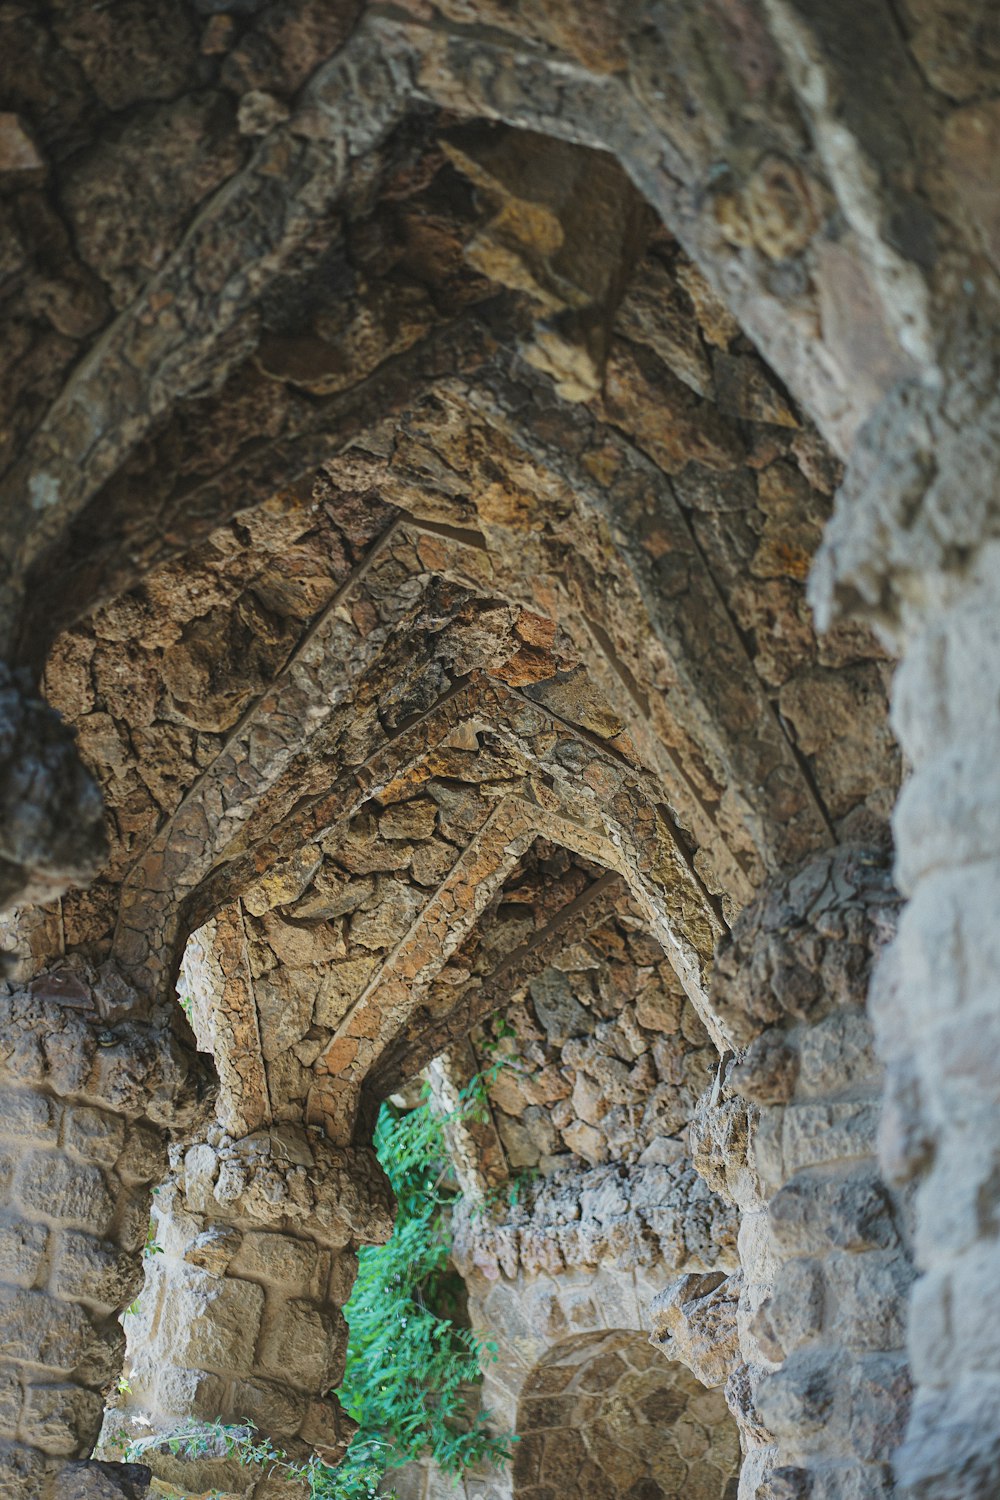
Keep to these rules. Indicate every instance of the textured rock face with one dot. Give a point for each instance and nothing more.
(825, 1248)
(694, 1320)
(605, 1216)
(51, 833)
(603, 1415)
(602, 1054)
(606, 1417)
(418, 423)
(88, 1094)
(933, 1002)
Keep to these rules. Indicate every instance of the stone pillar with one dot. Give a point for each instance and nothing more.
(912, 546)
(702, 1320)
(240, 1320)
(87, 1094)
(475, 1149)
(937, 1010)
(828, 1338)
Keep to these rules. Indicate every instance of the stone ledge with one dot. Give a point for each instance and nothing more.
(288, 1176)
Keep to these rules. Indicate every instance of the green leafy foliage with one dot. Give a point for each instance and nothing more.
(411, 1369)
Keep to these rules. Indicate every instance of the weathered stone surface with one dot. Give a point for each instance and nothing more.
(407, 460)
(608, 1215)
(289, 1176)
(51, 833)
(88, 1089)
(695, 1321)
(826, 1276)
(239, 1319)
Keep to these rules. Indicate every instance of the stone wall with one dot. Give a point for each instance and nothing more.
(599, 1412)
(827, 1255)
(607, 1056)
(917, 528)
(239, 1319)
(602, 1417)
(88, 1091)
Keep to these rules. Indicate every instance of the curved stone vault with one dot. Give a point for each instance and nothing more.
(493, 497)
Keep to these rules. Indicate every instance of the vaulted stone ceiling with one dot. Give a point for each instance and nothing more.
(417, 501)
(497, 614)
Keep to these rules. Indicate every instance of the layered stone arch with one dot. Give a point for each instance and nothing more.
(303, 167)
(693, 415)
(242, 1252)
(598, 1410)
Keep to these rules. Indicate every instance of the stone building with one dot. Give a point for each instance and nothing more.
(499, 513)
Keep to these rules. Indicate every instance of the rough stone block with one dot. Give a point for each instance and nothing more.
(98, 1481)
(269, 1405)
(787, 1482)
(806, 1135)
(94, 1134)
(144, 1155)
(213, 1249)
(867, 1296)
(133, 1218)
(836, 1055)
(305, 1342)
(67, 1063)
(694, 1320)
(342, 1276)
(327, 1428)
(11, 1397)
(793, 1314)
(24, 1474)
(102, 1363)
(179, 1390)
(281, 1489)
(800, 1401)
(52, 1184)
(769, 1070)
(27, 1114)
(409, 1482)
(277, 1258)
(814, 1213)
(879, 1388)
(61, 1419)
(9, 1160)
(35, 1329)
(22, 1251)
(213, 1324)
(95, 1269)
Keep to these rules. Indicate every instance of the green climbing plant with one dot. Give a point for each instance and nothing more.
(411, 1368)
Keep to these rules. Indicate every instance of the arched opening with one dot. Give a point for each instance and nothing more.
(605, 1417)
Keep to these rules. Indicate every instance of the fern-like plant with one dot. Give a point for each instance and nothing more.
(410, 1367)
